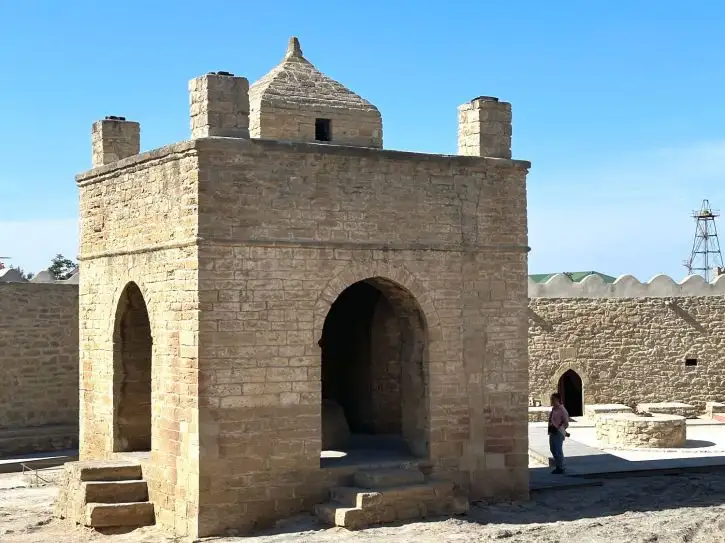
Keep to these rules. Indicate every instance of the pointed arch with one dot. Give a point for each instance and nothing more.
(374, 336)
(571, 381)
(120, 291)
(393, 274)
(132, 370)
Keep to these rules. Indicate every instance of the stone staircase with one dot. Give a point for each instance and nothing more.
(104, 494)
(388, 495)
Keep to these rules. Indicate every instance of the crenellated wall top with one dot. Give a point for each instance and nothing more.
(626, 286)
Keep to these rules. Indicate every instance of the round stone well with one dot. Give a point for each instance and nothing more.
(632, 431)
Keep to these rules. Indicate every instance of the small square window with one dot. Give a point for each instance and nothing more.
(323, 130)
(690, 361)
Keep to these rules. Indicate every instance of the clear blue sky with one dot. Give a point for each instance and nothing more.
(619, 105)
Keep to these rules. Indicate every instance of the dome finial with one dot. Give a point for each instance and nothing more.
(293, 48)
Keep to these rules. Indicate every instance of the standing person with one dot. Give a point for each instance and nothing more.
(558, 423)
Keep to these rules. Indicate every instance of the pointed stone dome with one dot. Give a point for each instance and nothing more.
(297, 102)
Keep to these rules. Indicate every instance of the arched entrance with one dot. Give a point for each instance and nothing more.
(572, 394)
(374, 368)
(132, 347)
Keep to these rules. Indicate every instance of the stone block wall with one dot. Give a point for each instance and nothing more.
(539, 414)
(282, 121)
(383, 409)
(38, 362)
(630, 342)
(138, 228)
(286, 228)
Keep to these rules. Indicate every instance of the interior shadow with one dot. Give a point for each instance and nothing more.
(132, 375)
(374, 376)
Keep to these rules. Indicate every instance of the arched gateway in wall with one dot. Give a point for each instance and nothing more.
(572, 393)
(132, 353)
(374, 354)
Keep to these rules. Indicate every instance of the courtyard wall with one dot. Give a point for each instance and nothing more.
(630, 342)
(38, 367)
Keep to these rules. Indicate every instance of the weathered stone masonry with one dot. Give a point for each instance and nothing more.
(629, 342)
(38, 367)
(234, 251)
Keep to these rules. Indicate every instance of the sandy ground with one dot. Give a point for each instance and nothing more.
(636, 510)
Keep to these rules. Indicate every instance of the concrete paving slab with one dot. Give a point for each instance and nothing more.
(582, 460)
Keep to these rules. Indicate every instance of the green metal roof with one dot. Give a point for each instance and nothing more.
(574, 276)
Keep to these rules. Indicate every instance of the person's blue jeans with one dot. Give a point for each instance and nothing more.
(556, 445)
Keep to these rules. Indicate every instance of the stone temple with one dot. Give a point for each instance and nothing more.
(278, 308)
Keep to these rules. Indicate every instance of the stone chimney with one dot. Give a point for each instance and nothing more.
(219, 104)
(484, 128)
(114, 138)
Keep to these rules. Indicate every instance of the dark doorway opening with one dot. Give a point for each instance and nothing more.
(374, 370)
(572, 395)
(132, 353)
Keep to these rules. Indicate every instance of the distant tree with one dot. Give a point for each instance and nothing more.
(61, 267)
(27, 276)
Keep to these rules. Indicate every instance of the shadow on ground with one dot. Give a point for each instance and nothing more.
(697, 444)
(612, 498)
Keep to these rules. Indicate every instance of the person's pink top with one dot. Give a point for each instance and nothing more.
(559, 418)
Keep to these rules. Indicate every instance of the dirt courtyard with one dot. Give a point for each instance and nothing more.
(682, 508)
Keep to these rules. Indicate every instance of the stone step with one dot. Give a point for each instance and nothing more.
(384, 478)
(352, 496)
(115, 491)
(336, 514)
(355, 508)
(103, 470)
(112, 515)
(365, 498)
